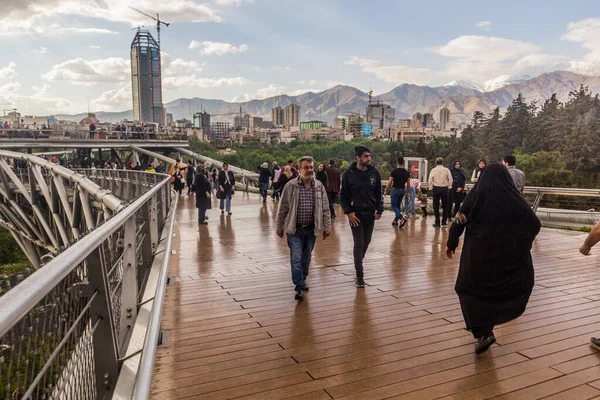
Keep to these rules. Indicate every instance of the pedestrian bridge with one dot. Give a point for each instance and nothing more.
(123, 265)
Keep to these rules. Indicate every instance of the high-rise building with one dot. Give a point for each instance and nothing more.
(381, 116)
(444, 118)
(202, 120)
(146, 79)
(340, 123)
(254, 123)
(428, 120)
(242, 121)
(404, 123)
(219, 131)
(278, 116)
(292, 115)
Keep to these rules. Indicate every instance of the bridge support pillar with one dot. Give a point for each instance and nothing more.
(129, 284)
(106, 353)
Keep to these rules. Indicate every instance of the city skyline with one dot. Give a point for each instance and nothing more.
(59, 53)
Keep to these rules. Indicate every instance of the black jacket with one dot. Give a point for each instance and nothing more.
(264, 174)
(361, 191)
(189, 174)
(227, 188)
(202, 186)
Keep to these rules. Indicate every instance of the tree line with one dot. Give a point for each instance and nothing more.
(556, 143)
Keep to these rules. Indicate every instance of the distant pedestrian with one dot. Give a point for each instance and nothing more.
(226, 189)
(362, 201)
(592, 238)
(263, 180)
(92, 130)
(423, 198)
(177, 172)
(303, 214)
(160, 168)
(214, 178)
(399, 183)
(517, 175)
(294, 170)
(496, 275)
(457, 192)
(478, 171)
(440, 183)
(333, 185)
(322, 175)
(285, 177)
(409, 202)
(203, 193)
(275, 174)
(189, 177)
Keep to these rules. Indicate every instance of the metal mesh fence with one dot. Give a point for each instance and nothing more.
(51, 345)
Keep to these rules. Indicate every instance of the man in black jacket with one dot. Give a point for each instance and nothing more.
(362, 201)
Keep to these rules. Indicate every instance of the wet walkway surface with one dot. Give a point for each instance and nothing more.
(237, 332)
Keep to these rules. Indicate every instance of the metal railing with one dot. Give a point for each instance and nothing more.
(65, 331)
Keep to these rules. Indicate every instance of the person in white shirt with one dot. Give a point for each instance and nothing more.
(440, 183)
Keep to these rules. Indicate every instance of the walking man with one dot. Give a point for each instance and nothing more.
(275, 174)
(333, 185)
(440, 183)
(263, 180)
(592, 238)
(303, 214)
(189, 177)
(517, 175)
(226, 188)
(361, 199)
(400, 183)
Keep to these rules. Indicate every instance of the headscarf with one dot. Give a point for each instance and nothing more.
(458, 175)
(479, 169)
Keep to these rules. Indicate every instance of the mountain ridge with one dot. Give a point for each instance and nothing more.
(406, 98)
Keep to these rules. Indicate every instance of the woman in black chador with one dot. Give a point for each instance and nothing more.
(496, 275)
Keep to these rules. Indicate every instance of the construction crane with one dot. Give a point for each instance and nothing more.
(158, 22)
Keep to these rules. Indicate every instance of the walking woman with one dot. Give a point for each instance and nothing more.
(496, 276)
(321, 174)
(478, 171)
(203, 191)
(457, 193)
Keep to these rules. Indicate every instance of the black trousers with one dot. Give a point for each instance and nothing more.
(440, 194)
(482, 332)
(362, 238)
(332, 197)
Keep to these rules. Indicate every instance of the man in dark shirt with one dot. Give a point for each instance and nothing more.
(400, 183)
(333, 185)
(189, 177)
(362, 201)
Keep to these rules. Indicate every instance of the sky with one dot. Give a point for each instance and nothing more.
(58, 56)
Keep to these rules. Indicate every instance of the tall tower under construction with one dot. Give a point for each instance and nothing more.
(146, 80)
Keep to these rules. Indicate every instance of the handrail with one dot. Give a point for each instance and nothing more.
(144, 377)
(22, 298)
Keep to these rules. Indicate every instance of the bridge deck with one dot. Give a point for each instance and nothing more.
(236, 330)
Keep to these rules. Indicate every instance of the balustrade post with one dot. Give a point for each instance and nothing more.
(129, 284)
(537, 201)
(154, 222)
(106, 353)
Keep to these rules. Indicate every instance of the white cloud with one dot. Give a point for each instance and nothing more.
(193, 81)
(33, 16)
(486, 48)
(89, 72)
(262, 93)
(42, 50)
(9, 71)
(233, 2)
(485, 25)
(307, 82)
(395, 74)
(536, 64)
(208, 48)
(586, 32)
(93, 46)
(114, 100)
(270, 68)
(11, 92)
(178, 66)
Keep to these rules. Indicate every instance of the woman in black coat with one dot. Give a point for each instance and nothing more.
(203, 192)
(457, 193)
(496, 276)
(321, 174)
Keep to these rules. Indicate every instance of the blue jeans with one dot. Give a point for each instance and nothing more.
(301, 246)
(227, 202)
(396, 197)
(409, 202)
